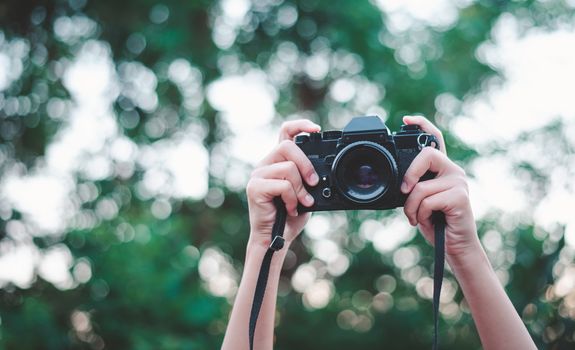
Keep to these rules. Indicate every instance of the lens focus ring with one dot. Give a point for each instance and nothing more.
(364, 171)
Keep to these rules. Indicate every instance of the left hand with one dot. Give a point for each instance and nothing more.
(447, 192)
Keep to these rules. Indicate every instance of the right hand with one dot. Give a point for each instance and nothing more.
(281, 173)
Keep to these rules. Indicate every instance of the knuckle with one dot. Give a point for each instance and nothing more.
(459, 170)
(255, 172)
(291, 167)
(462, 183)
(461, 193)
(285, 186)
(461, 178)
(287, 189)
(285, 145)
(425, 204)
(465, 186)
(428, 152)
(421, 186)
(301, 193)
(408, 210)
(299, 187)
(251, 187)
(285, 126)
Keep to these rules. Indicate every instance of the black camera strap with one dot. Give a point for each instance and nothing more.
(438, 220)
(277, 243)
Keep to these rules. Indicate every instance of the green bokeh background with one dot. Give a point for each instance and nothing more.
(145, 290)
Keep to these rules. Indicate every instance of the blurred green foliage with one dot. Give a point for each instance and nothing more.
(145, 290)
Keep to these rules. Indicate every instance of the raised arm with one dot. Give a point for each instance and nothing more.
(497, 321)
(281, 173)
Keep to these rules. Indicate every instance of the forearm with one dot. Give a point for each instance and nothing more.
(496, 319)
(236, 336)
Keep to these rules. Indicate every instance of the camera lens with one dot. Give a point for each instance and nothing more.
(363, 177)
(364, 171)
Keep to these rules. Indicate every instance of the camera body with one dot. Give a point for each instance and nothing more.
(362, 166)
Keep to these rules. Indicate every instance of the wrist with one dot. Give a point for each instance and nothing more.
(258, 245)
(467, 259)
(264, 240)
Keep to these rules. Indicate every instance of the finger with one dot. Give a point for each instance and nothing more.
(287, 150)
(286, 171)
(264, 190)
(428, 127)
(421, 191)
(428, 159)
(442, 201)
(291, 128)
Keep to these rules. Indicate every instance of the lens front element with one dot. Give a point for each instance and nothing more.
(364, 171)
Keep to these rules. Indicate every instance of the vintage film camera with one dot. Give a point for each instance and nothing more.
(362, 166)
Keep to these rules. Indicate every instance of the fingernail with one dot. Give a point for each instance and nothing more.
(404, 187)
(313, 179)
(309, 199)
(294, 213)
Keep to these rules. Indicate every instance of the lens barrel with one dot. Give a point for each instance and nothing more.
(364, 171)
